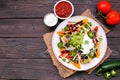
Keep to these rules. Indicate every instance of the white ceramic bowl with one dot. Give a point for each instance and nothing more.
(50, 20)
(67, 2)
(95, 61)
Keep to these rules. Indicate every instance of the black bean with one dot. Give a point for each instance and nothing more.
(86, 57)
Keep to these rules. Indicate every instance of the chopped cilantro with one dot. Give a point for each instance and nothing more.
(100, 38)
(68, 62)
(63, 59)
(82, 48)
(86, 42)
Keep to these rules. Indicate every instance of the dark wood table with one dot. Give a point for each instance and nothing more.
(22, 49)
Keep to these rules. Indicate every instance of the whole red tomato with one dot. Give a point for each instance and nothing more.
(104, 6)
(113, 17)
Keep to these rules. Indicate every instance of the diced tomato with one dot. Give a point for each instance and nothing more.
(96, 28)
(69, 57)
(60, 56)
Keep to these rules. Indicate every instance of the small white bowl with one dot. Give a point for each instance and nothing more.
(67, 2)
(50, 19)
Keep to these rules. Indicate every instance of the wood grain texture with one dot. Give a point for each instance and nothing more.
(30, 68)
(21, 8)
(23, 48)
(23, 28)
(36, 28)
(40, 69)
(32, 48)
(38, 8)
(114, 45)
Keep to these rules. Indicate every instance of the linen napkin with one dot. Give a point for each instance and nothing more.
(64, 71)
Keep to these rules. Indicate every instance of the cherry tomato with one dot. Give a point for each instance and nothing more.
(113, 17)
(104, 6)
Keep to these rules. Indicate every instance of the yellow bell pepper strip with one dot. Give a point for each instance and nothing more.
(98, 50)
(77, 65)
(85, 21)
(89, 59)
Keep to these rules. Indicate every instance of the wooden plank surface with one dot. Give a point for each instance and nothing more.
(21, 8)
(36, 28)
(35, 48)
(22, 48)
(23, 52)
(41, 69)
(23, 28)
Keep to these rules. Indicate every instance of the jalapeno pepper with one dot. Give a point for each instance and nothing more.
(108, 66)
(91, 34)
(60, 45)
(114, 72)
(107, 75)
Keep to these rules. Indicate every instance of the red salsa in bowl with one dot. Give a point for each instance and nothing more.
(63, 9)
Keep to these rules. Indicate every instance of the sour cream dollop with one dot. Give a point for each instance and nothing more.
(88, 46)
(50, 20)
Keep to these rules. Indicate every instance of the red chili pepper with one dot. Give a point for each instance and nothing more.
(64, 53)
